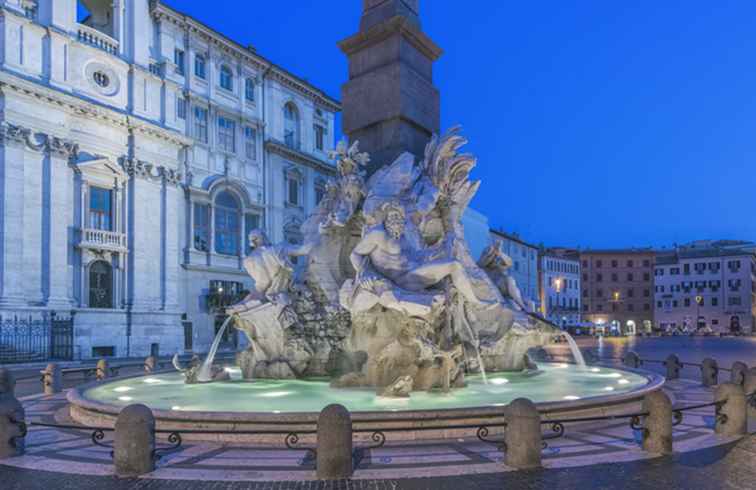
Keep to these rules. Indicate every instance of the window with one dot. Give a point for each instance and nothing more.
(319, 137)
(686, 301)
(630, 276)
(200, 124)
(646, 293)
(249, 89)
(226, 134)
(714, 301)
(178, 59)
(181, 108)
(226, 78)
(251, 222)
(646, 263)
(646, 307)
(100, 285)
(291, 126)
(200, 67)
(733, 301)
(226, 224)
(250, 143)
(100, 209)
(646, 276)
(202, 227)
(101, 79)
(614, 276)
(293, 192)
(598, 263)
(614, 263)
(320, 190)
(686, 269)
(599, 278)
(630, 263)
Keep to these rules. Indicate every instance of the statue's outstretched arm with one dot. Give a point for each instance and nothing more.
(363, 248)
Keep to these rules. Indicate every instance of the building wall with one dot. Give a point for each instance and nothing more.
(560, 289)
(110, 106)
(618, 288)
(722, 280)
(524, 264)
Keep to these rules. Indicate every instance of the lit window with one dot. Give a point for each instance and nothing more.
(226, 78)
(100, 209)
(226, 134)
(226, 224)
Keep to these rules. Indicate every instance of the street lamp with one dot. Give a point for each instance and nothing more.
(699, 300)
(558, 288)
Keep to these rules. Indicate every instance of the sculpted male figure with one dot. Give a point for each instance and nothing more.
(383, 251)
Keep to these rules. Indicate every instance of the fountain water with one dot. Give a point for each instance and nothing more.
(205, 374)
(575, 350)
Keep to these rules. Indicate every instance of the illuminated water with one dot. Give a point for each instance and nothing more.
(553, 382)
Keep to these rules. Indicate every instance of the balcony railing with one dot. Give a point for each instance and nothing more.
(103, 240)
(99, 40)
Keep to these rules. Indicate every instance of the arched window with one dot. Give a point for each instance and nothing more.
(100, 285)
(227, 218)
(291, 126)
(226, 78)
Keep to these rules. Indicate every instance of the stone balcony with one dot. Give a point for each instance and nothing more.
(104, 240)
(98, 39)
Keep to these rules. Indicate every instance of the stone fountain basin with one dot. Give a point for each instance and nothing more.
(85, 408)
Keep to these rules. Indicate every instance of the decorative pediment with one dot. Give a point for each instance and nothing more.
(99, 168)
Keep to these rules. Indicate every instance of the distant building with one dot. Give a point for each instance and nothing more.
(559, 278)
(617, 289)
(706, 286)
(524, 264)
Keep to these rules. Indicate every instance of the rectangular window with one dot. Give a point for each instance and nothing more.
(251, 222)
(293, 192)
(250, 143)
(181, 108)
(100, 209)
(714, 301)
(733, 301)
(200, 124)
(178, 59)
(199, 67)
(249, 89)
(226, 134)
(202, 227)
(319, 137)
(226, 231)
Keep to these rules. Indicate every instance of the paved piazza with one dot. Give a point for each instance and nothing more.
(603, 455)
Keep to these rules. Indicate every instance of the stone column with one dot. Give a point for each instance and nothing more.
(631, 360)
(738, 373)
(12, 428)
(61, 221)
(134, 441)
(523, 435)
(672, 363)
(709, 372)
(334, 453)
(52, 379)
(657, 425)
(12, 205)
(102, 370)
(732, 417)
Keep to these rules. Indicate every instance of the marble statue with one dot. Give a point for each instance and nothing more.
(390, 296)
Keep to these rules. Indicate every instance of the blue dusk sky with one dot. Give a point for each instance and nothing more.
(595, 124)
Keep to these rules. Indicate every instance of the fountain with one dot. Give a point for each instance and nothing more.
(386, 312)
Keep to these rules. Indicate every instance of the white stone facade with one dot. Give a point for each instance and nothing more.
(524, 268)
(560, 287)
(138, 149)
(709, 288)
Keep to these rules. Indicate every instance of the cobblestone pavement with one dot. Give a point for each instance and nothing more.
(439, 464)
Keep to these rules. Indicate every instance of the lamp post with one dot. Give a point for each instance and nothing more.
(699, 300)
(558, 288)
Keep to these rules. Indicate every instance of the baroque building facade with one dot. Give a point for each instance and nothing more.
(524, 268)
(139, 147)
(559, 278)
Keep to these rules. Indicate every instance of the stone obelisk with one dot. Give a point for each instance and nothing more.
(390, 103)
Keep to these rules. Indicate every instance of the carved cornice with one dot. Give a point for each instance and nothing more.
(291, 154)
(149, 171)
(38, 141)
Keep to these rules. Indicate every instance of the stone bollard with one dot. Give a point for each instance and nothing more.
(732, 416)
(134, 441)
(749, 387)
(150, 364)
(52, 379)
(673, 366)
(523, 435)
(334, 443)
(102, 369)
(12, 417)
(632, 360)
(657, 425)
(738, 373)
(709, 372)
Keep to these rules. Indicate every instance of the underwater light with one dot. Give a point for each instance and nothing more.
(571, 397)
(125, 398)
(595, 370)
(151, 380)
(275, 394)
(122, 389)
(175, 407)
(499, 381)
(609, 388)
(623, 381)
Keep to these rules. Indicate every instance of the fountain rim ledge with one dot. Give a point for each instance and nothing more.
(75, 397)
